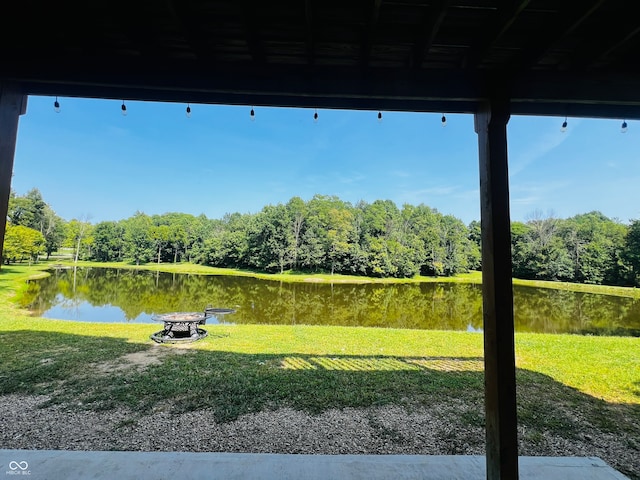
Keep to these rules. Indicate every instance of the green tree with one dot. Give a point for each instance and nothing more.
(159, 236)
(538, 252)
(138, 242)
(271, 241)
(337, 245)
(455, 244)
(22, 242)
(311, 254)
(424, 225)
(197, 230)
(381, 218)
(181, 227)
(177, 239)
(380, 261)
(296, 210)
(78, 237)
(631, 253)
(594, 244)
(27, 210)
(329, 234)
(53, 230)
(475, 247)
(236, 239)
(108, 241)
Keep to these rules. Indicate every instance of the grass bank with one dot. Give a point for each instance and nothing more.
(288, 276)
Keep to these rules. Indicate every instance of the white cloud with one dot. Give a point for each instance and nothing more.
(521, 158)
(526, 200)
(439, 190)
(537, 188)
(354, 177)
(426, 195)
(473, 194)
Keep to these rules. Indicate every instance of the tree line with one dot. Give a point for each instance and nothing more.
(327, 234)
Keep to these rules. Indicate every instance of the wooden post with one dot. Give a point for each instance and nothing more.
(12, 104)
(497, 292)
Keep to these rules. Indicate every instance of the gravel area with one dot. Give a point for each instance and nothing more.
(381, 430)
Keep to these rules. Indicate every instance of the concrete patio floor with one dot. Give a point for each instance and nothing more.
(72, 465)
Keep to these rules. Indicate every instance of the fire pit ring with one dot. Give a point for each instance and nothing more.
(214, 312)
(180, 327)
(183, 326)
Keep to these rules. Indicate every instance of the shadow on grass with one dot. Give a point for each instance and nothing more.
(94, 372)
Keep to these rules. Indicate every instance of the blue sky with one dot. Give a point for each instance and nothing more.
(90, 161)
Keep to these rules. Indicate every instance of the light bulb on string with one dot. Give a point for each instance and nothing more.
(563, 128)
(56, 106)
(188, 110)
(624, 127)
(252, 115)
(123, 109)
(379, 117)
(443, 120)
(315, 116)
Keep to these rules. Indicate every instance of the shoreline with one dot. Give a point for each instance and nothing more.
(474, 277)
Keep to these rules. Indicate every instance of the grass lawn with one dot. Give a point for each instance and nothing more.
(563, 380)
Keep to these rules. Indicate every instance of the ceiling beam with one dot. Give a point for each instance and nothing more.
(552, 93)
(556, 109)
(369, 33)
(248, 78)
(621, 29)
(252, 22)
(603, 56)
(505, 18)
(188, 25)
(310, 46)
(429, 28)
(141, 40)
(566, 22)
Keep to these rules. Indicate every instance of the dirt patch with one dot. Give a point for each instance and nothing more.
(139, 360)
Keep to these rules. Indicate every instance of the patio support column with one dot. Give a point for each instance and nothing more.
(497, 292)
(12, 104)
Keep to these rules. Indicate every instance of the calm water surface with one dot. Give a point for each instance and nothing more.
(112, 295)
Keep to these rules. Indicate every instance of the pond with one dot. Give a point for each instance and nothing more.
(122, 295)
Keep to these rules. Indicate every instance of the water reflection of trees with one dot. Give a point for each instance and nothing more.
(423, 306)
(560, 311)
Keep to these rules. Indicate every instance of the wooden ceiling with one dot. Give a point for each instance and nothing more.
(551, 57)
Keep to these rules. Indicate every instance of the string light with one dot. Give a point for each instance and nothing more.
(56, 106)
(379, 117)
(188, 111)
(252, 115)
(315, 116)
(563, 128)
(443, 120)
(123, 108)
(623, 128)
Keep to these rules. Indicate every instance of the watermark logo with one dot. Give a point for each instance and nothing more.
(18, 468)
